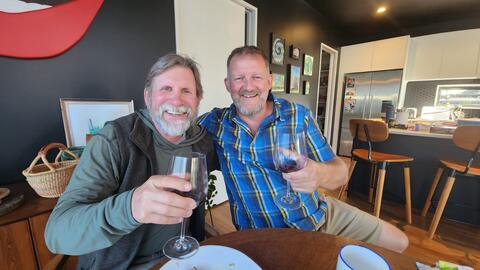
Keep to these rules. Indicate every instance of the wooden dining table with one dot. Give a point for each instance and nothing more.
(295, 249)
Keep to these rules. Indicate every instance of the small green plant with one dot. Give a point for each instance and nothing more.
(212, 192)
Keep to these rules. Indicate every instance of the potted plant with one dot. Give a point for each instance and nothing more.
(211, 193)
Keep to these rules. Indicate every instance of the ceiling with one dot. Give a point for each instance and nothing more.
(358, 21)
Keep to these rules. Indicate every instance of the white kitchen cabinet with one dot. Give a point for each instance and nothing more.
(460, 54)
(425, 57)
(357, 58)
(373, 56)
(444, 56)
(389, 53)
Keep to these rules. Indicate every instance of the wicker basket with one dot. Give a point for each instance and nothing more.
(50, 179)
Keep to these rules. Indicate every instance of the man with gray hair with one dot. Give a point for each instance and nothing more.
(120, 207)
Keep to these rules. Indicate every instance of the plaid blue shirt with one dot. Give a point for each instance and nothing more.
(247, 164)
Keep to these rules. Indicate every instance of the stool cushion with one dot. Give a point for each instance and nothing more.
(460, 167)
(380, 157)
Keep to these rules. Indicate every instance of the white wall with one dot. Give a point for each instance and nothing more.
(207, 31)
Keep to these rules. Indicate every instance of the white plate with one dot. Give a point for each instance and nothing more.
(214, 258)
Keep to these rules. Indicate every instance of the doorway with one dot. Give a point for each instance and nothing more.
(326, 90)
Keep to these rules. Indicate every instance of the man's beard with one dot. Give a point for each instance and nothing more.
(174, 128)
(250, 111)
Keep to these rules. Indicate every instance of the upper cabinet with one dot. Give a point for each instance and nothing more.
(356, 58)
(424, 58)
(460, 54)
(376, 55)
(444, 56)
(389, 53)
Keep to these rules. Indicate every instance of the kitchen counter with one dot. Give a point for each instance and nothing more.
(419, 133)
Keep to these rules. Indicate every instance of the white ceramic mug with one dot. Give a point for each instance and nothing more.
(355, 257)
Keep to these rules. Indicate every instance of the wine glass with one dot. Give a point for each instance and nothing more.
(194, 169)
(290, 154)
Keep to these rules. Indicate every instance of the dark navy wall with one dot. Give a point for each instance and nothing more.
(109, 62)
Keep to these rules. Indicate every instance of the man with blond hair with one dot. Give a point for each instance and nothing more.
(244, 136)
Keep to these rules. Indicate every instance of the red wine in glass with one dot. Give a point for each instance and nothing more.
(192, 168)
(290, 156)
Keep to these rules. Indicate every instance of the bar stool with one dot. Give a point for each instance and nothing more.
(465, 137)
(376, 131)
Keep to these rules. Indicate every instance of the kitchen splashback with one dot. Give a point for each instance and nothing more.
(422, 93)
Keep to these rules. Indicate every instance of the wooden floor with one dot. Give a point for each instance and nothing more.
(454, 242)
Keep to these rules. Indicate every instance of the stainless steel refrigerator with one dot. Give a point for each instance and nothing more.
(363, 94)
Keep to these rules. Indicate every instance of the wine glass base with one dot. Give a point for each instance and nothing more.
(289, 202)
(175, 248)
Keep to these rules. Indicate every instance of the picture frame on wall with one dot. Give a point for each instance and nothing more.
(306, 87)
(294, 52)
(83, 117)
(307, 65)
(277, 56)
(294, 79)
(278, 82)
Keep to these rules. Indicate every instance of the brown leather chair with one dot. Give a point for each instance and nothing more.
(465, 137)
(370, 131)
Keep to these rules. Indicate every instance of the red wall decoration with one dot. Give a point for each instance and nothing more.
(46, 32)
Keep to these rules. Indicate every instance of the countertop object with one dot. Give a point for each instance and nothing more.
(435, 113)
(468, 122)
(10, 203)
(442, 129)
(398, 131)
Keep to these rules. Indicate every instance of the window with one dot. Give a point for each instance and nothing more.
(466, 96)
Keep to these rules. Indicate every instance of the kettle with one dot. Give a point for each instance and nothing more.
(412, 113)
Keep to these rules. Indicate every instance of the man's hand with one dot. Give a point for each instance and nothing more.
(154, 202)
(329, 175)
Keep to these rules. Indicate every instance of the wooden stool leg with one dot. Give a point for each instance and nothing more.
(350, 172)
(379, 192)
(441, 205)
(373, 176)
(408, 202)
(428, 201)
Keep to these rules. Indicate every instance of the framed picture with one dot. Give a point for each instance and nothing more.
(350, 82)
(82, 117)
(278, 50)
(294, 79)
(294, 52)
(307, 65)
(278, 82)
(306, 87)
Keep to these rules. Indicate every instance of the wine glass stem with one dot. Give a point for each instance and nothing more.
(182, 231)
(289, 188)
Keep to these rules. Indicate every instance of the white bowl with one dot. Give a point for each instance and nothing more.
(355, 257)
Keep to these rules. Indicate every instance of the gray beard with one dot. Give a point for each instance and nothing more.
(175, 128)
(245, 111)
